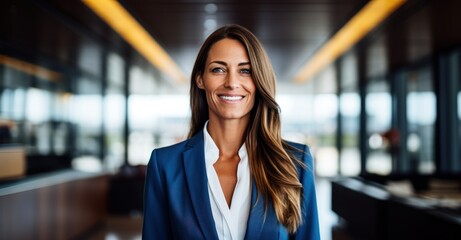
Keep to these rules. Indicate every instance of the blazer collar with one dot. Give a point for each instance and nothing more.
(197, 181)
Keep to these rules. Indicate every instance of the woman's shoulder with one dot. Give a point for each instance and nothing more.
(300, 151)
(296, 145)
(177, 149)
(297, 148)
(166, 158)
(172, 149)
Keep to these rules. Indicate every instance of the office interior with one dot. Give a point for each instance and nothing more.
(83, 103)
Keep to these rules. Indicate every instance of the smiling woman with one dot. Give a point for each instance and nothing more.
(234, 177)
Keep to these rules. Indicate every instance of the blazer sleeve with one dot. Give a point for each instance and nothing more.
(156, 223)
(310, 226)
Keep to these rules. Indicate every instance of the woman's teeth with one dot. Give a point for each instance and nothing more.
(231, 98)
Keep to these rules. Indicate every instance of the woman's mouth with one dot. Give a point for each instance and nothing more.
(231, 98)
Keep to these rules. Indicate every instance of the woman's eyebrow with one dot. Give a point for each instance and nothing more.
(218, 62)
(225, 64)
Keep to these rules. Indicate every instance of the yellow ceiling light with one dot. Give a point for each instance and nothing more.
(361, 24)
(29, 68)
(124, 24)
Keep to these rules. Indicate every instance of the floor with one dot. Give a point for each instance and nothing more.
(327, 217)
(119, 228)
(129, 228)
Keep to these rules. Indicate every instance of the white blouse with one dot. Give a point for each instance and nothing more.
(231, 223)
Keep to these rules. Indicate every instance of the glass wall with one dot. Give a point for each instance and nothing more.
(13, 91)
(349, 113)
(34, 116)
(312, 120)
(456, 78)
(312, 116)
(349, 108)
(158, 115)
(114, 113)
(324, 127)
(68, 121)
(421, 116)
(86, 116)
(380, 146)
(448, 156)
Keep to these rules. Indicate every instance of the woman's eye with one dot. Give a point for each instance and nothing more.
(245, 71)
(217, 70)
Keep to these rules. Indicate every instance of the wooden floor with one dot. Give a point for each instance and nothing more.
(118, 228)
(129, 228)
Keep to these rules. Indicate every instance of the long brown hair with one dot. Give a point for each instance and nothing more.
(272, 167)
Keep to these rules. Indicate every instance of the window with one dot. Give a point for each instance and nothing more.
(349, 113)
(114, 113)
(349, 108)
(379, 110)
(421, 115)
(87, 117)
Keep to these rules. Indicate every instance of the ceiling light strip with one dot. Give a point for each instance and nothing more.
(124, 24)
(361, 24)
(29, 68)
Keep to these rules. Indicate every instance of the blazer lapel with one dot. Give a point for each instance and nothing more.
(256, 217)
(263, 223)
(197, 181)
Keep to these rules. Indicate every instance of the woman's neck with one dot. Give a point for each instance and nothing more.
(228, 135)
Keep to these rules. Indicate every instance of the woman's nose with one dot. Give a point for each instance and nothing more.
(231, 81)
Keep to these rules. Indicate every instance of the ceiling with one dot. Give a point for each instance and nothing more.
(290, 30)
(54, 33)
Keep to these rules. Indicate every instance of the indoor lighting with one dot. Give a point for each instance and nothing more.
(29, 68)
(124, 24)
(361, 24)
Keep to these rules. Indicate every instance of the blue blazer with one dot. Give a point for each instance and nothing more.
(176, 202)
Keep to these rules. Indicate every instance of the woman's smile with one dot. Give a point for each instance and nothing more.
(231, 98)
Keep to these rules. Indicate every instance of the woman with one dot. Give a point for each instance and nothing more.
(234, 177)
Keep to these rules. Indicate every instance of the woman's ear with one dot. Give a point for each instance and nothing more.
(199, 81)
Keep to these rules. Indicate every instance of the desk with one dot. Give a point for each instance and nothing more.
(370, 212)
(59, 205)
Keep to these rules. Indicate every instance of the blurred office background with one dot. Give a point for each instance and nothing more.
(89, 88)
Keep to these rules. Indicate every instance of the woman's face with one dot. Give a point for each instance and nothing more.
(227, 81)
